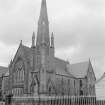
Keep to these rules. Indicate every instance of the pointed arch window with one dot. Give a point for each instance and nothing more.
(50, 87)
(81, 92)
(19, 71)
(49, 90)
(80, 83)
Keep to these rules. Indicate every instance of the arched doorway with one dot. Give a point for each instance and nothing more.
(50, 87)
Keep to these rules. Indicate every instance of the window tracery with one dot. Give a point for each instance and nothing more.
(18, 77)
(19, 72)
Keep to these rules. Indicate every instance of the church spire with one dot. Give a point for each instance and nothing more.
(43, 12)
(43, 26)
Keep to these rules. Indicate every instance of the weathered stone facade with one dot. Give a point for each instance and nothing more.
(35, 70)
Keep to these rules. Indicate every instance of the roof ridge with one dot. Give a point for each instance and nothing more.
(3, 67)
(26, 46)
(80, 62)
(60, 59)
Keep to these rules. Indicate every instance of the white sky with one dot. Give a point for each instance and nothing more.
(78, 26)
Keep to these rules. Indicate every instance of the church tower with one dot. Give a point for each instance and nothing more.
(43, 46)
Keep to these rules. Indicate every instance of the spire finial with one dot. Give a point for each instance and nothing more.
(67, 60)
(33, 39)
(10, 63)
(52, 35)
(52, 40)
(20, 42)
(89, 59)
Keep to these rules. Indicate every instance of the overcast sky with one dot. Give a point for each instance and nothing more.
(78, 26)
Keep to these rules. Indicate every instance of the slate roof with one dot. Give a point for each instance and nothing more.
(28, 53)
(79, 70)
(100, 79)
(3, 70)
(61, 67)
(60, 64)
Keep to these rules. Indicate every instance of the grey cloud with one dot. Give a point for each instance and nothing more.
(83, 27)
(92, 4)
(18, 23)
(14, 32)
(74, 22)
(7, 5)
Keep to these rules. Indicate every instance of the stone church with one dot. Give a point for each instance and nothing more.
(35, 70)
